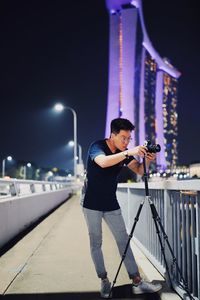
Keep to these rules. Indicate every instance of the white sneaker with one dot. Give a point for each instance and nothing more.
(105, 288)
(146, 287)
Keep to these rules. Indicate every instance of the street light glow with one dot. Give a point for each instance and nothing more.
(9, 158)
(59, 107)
(71, 143)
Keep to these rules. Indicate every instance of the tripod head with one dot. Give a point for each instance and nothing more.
(145, 176)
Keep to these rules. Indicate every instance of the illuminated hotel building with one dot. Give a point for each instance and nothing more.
(142, 85)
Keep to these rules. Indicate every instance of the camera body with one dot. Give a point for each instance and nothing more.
(151, 148)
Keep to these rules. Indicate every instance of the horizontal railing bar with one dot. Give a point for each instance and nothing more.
(192, 185)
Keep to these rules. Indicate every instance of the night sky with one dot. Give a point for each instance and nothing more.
(58, 51)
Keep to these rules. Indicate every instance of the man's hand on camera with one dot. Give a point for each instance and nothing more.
(139, 150)
(151, 156)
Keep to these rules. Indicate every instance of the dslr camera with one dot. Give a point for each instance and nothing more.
(151, 148)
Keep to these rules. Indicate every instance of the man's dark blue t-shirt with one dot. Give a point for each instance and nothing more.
(102, 182)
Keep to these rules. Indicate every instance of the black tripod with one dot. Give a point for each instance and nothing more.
(157, 221)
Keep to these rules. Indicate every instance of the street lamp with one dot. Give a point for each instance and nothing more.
(27, 165)
(80, 159)
(59, 107)
(80, 166)
(9, 158)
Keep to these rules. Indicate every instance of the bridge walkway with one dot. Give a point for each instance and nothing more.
(53, 262)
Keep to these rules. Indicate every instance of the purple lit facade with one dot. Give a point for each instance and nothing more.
(142, 85)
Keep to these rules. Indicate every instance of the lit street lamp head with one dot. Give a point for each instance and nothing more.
(71, 143)
(59, 107)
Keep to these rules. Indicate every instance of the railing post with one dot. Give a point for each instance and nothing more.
(197, 241)
(168, 225)
(13, 191)
(32, 187)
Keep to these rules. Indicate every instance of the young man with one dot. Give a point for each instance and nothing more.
(105, 160)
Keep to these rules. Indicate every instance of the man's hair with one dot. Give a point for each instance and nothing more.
(121, 124)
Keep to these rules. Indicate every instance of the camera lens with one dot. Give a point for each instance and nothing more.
(157, 148)
(152, 148)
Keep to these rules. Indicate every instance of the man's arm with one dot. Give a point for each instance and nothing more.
(137, 167)
(105, 161)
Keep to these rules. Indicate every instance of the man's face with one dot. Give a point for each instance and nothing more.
(121, 139)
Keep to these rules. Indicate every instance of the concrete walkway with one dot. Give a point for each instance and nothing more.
(53, 262)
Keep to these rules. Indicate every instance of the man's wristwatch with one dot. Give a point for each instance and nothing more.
(125, 153)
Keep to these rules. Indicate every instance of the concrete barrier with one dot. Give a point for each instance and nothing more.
(18, 213)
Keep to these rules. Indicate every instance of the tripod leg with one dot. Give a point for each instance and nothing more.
(127, 245)
(157, 221)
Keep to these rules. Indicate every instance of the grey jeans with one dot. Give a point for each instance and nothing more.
(116, 224)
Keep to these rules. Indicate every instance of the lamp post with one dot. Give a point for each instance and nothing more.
(80, 166)
(80, 159)
(27, 165)
(9, 158)
(59, 107)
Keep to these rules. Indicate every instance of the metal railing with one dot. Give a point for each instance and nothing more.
(178, 205)
(17, 187)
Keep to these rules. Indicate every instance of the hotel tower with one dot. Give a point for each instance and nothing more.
(142, 85)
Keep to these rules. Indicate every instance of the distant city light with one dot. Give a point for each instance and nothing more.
(113, 11)
(135, 3)
(50, 173)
